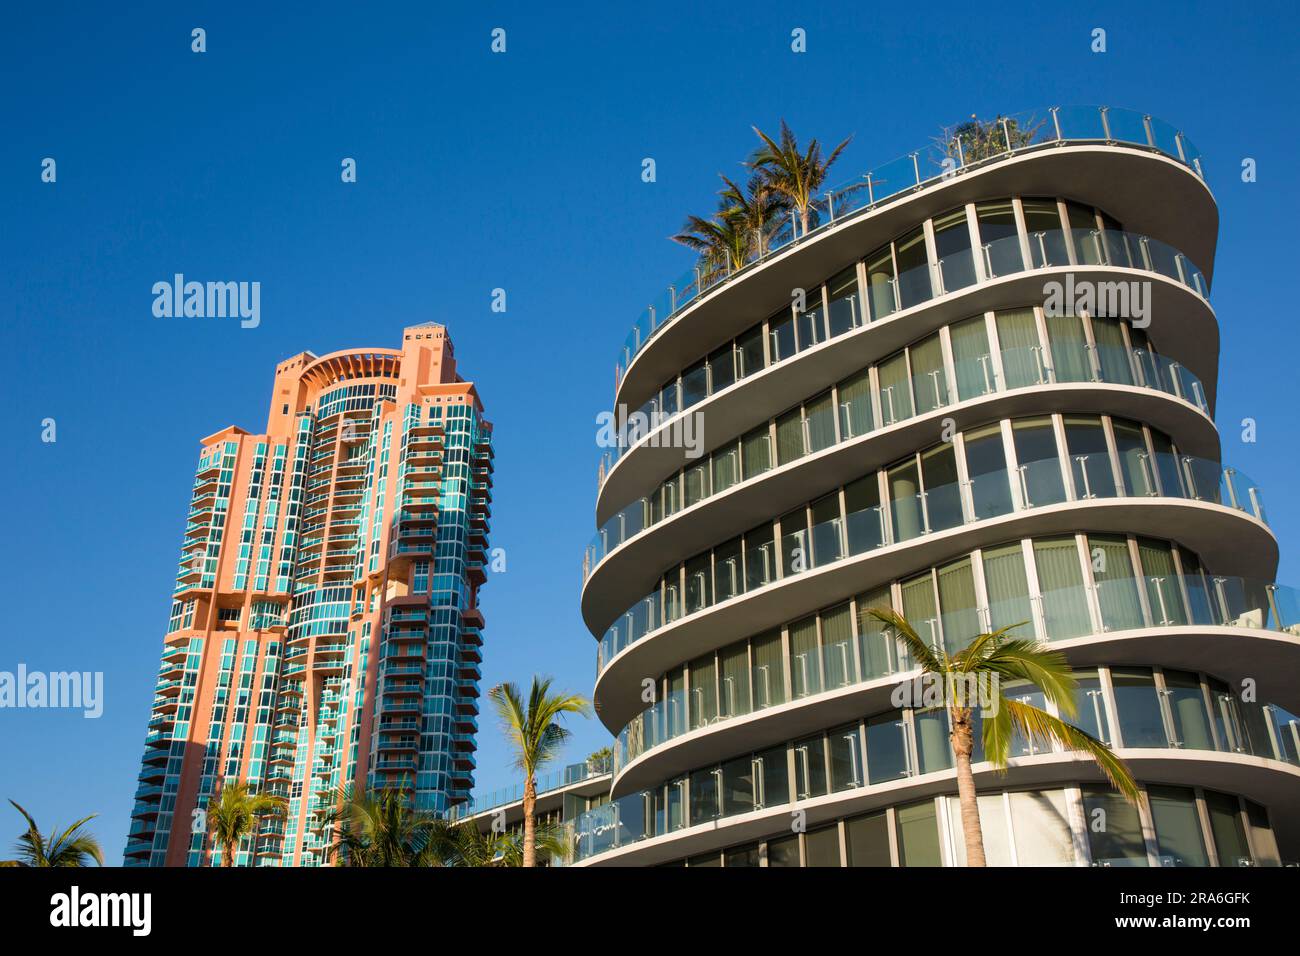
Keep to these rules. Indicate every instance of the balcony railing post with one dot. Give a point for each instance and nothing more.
(1006, 134)
(916, 167)
(1178, 141)
(1146, 125)
(1105, 123)
(871, 191)
(1056, 121)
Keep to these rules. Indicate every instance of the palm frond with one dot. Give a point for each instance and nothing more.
(1037, 724)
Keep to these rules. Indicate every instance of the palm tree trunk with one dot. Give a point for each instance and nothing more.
(962, 746)
(530, 821)
(228, 855)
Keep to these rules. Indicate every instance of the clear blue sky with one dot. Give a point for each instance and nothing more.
(476, 171)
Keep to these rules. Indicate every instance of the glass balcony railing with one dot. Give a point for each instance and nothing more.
(571, 774)
(1021, 367)
(925, 510)
(1021, 132)
(1107, 607)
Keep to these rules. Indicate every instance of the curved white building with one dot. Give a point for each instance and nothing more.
(945, 423)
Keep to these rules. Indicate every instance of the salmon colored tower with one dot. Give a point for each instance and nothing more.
(325, 628)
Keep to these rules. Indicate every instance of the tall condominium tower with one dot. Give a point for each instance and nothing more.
(978, 386)
(325, 628)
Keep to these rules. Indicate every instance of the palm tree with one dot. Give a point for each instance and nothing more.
(794, 173)
(723, 242)
(383, 828)
(986, 662)
(759, 208)
(536, 736)
(476, 848)
(981, 139)
(72, 847)
(236, 813)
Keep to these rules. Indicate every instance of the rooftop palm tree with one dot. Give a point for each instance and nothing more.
(72, 847)
(988, 661)
(236, 813)
(475, 847)
(759, 208)
(794, 173)
(981, 139)
(383, 828)
(723, 242)
(534, 732)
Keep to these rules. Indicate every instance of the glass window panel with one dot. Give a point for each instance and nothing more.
(705, 860)
(1046, 240)
(932, 747)
(1001, 241)
(781, 341)
(1037, 462)
(1114, 829)
(895, 389)
(837, 646)
(929, 379)
(905, 501)
(820, 414)
(1178, 827)
(1089, 458)
(918, 835)
(1023, 361)
(772, 776)
(986, 464)
(1140, 719)
(794, 543)
(768, 674)
(952, 245)
(1163, 593)
(846, 304)
(823, 846)
(959, 614)
(914, 285)
(695, 483)
(1229, 833)
(1008, 589)
(866, 531)
(919, 607)
(879, 651)
(1187, 708)
(868, 840)
(733, 662)
(1262, 837)
(942, 497)
(722, 368)
(971, 358)
(738, 786)
(846, 758)
(749, 352)
(1134, 461)
(856, 416)
(1112, 354)
(1117, 588)
(728, 572)
(755, 452)
(881, 288)
(726, 468)
(704, 691)
(887, 751)
(810, 767)
(1167, 469)
(699, 583)
(1086, 235)
(805, 672)
(670, 399)
(1041, 821)
(704, 795)
(760, 558)
(695, 384)
(742, 856)
(783, 852)
(1070, 357)
(790, 437)
(1060, 582)
(827, 530)
(812, 323)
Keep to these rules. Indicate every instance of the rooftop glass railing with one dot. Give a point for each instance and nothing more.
(1020, 133)
(567, 776)
(921, 511)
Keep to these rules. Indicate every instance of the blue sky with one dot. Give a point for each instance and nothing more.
(478, 171)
